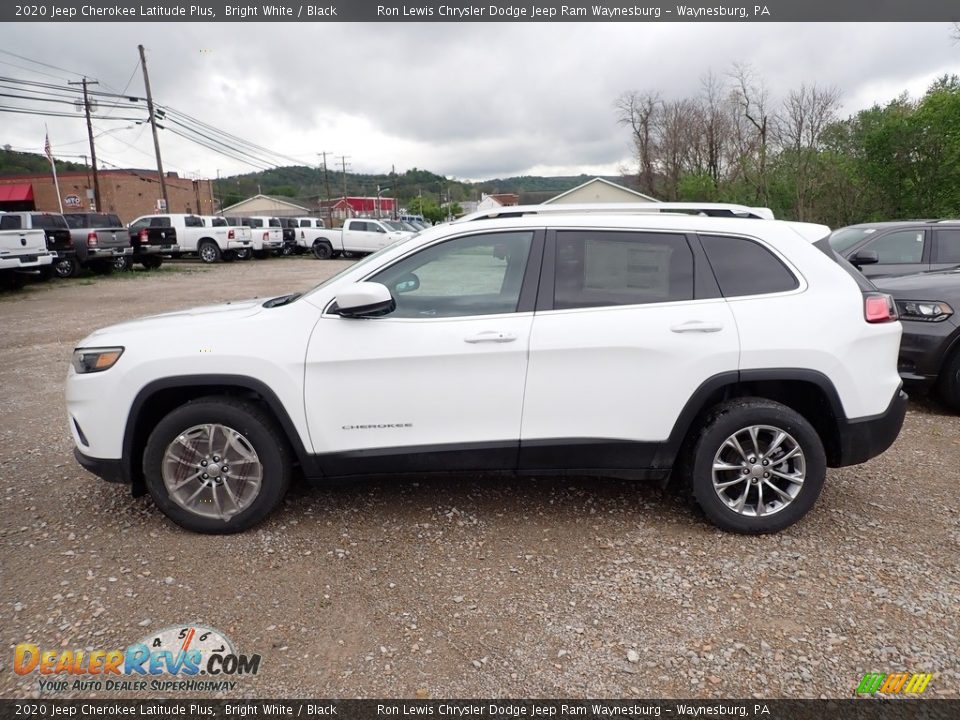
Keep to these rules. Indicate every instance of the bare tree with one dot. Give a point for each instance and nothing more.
(800, 125)
(752, 100)
(715, 126)
(638, 112)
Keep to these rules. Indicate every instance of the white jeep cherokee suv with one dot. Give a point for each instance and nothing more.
(739, 354)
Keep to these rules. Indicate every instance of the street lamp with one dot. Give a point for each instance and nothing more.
(380, 191)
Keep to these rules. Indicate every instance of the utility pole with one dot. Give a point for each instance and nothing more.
(343, 172)
(219, 195)
(153, 126)
(93, 151)
(326, 185)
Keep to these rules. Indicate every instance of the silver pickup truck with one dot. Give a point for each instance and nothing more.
(102, 242)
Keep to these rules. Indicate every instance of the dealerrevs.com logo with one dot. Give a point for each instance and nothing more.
(180, 658)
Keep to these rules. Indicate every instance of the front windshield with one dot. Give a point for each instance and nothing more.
(845, 238)
(359, 263)
(394, 225)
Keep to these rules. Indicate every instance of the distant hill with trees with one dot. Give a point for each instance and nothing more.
(22, 163)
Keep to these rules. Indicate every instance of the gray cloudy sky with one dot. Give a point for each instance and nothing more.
(472, 101)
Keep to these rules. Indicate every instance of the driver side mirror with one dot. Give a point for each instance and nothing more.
(865, 257)
(364, 300)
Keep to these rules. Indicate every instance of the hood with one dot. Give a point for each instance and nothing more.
(943, 285)
(182, 319)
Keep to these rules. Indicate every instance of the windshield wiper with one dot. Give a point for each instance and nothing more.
(282, 300)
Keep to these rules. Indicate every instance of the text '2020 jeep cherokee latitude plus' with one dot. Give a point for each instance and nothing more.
(738, 353)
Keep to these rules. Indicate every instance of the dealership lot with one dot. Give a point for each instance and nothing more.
(465, 588)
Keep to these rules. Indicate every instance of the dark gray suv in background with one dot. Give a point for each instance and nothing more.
(903, 247)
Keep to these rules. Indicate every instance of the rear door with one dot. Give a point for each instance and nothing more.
(946, 248)
(628, 325)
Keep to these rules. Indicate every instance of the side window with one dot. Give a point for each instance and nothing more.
(948, 246)
(603, 268)
(357, 225)
(192, 221)
(161, 222)
(139, 224)
(375, 227)
(474, 275)
(744, 267)
(10, 222)
(305, 223)
(902, 246)
(256, 223)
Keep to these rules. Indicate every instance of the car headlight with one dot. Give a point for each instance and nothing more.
(91, 360)
(924, 310)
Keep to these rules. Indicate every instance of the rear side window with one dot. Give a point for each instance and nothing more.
(744, 267)
(948, 246)
(10, 222)
(192, 221)
(49, 222)
(275, 223)
(256, 223)
(218, 222)
(598, 269)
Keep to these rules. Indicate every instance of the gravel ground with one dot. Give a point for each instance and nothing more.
(465, 588)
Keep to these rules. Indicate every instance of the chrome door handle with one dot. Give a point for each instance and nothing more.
(494, 336)
(697, 326)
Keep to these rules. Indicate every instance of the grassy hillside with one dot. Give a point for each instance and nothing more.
(21, 163)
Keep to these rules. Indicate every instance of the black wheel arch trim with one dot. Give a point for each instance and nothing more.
(698, 401)
(134, 476)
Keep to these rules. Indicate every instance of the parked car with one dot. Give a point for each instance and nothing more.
(267, 234)
(899, 248)
(22, 252)
(101, 240)
(152, 236)
(57, 235)
(548, 342)
(360, 235)
(930, 348)
(232, 239)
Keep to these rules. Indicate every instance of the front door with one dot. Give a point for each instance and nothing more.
(436, 385)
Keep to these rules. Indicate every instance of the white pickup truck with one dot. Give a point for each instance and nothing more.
(358, 235)
(21, 251)
(308, 230)
(267, 234)
(232, 239)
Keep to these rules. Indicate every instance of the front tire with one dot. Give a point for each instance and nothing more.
(209, 252)
(757, 466)
(217, 465)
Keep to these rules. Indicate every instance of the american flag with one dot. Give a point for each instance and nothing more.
(47, 150)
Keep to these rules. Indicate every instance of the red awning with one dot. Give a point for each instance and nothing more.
(21, 192)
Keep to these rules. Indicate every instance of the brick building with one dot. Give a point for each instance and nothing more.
(128, 193)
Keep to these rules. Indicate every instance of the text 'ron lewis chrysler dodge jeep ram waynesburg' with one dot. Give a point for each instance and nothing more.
(738, 353)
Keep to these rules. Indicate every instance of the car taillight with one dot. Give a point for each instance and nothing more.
(144, 235)
(92, 239)
(230, 235)
(266, 235)
(879, 308)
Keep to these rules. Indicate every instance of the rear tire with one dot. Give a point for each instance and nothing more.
(242, 494)
(244, 253)
(772, 483)
(122, 263)
(948, 386)
(322, 250)
(66, 267)
(209, 252)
